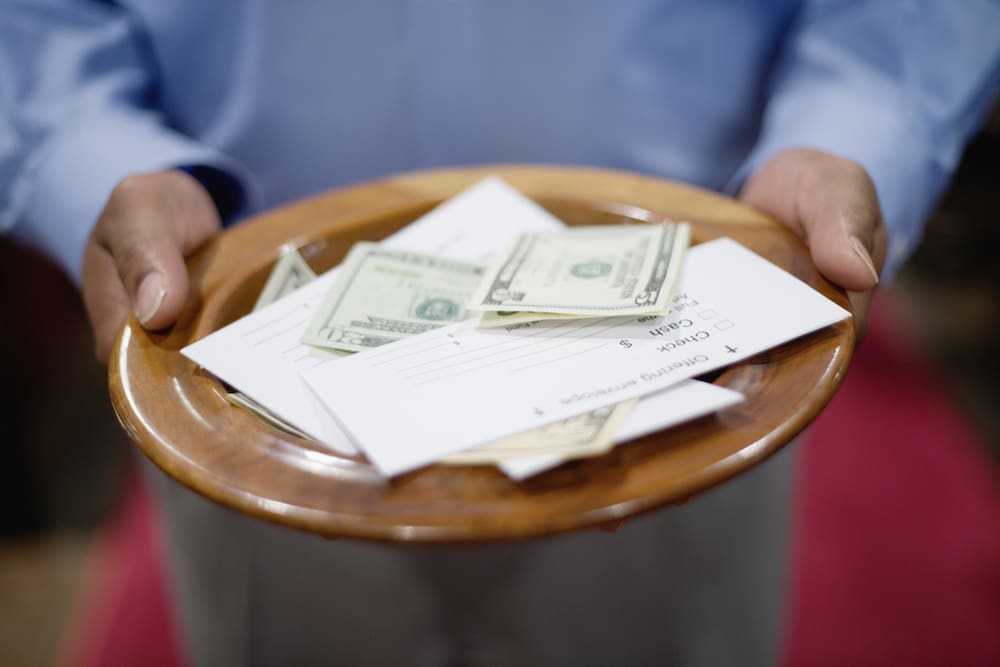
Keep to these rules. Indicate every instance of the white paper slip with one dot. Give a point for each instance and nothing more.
(261, 354)
(675, 405)
(458, 386)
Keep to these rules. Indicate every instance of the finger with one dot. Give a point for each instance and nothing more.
(840, 215)
(151, 222)
(104, 298)
(832, 203)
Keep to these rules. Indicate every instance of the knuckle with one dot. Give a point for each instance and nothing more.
(855, 177)
(845, 170)
(132, 186)
(133, 260)
(128, 197)
(863, 220)
(859, 198)
(826, 168)
(857, 174)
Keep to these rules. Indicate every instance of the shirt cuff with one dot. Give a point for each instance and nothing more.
(227, 192)
(61, 191)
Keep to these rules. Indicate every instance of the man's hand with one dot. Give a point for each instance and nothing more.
(134, 259)
(831, 203)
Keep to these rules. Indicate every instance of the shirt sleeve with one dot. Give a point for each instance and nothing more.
(77, 114)
(899, 87)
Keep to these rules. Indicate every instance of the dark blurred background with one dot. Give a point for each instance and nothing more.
(952, 285)
(63, 458)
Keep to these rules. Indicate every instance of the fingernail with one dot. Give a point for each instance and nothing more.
(149, 297)
(862, 252)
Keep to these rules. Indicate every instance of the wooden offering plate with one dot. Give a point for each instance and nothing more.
(177, 414)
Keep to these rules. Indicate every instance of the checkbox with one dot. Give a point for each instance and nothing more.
(708, 314)
(722, 325)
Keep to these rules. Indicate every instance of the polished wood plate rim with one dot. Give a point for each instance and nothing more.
(177, 414)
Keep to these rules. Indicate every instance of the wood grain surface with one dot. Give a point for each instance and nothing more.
(178, 415)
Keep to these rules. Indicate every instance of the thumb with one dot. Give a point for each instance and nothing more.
(832, 203)
(151, 222)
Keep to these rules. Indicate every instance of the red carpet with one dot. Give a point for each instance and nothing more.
(898, 526)
(897, 552)
(122, 615)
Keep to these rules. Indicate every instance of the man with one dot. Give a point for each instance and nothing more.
(132, 130)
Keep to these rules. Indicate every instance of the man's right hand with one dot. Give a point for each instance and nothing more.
(134, 259)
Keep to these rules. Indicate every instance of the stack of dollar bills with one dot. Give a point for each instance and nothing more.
(381, 295)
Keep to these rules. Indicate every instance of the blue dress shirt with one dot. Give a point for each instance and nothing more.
(293, 97)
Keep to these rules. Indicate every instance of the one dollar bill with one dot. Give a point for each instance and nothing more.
(588, 434)
(587, 271)
(243, 401)
(289, 274)
(381, 295)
